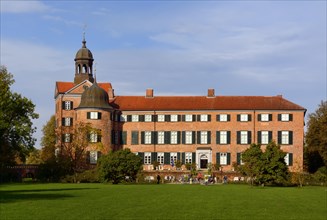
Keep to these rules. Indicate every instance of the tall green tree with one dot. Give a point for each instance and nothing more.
(316, 138)
(16, 127)
(116, 165)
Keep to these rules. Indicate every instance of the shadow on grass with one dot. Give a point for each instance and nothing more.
(36, 194)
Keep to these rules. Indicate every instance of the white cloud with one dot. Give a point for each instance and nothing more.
(11, 6)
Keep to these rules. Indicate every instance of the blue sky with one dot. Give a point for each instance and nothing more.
(175, 47)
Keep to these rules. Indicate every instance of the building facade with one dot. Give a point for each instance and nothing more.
(167, 129)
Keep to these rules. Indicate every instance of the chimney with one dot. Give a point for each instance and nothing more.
(211, 93)
(149, 93)
(111, 93)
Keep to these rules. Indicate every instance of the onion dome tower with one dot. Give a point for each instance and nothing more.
(83, 64)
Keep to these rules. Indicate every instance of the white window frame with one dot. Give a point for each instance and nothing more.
(161, 118)
(161, 137)
(160, 157)
(93, 157)
(285, 137)
(244, 117)
(188, 157)
(244, 137)
(223, 117)
(147, 158)
(68, 105)
(148, 118)
(173, 118)
(264, 137)
(135, 118)
(188, 137)
(285, 117)
(188, 118)
(147, 137)
(67, 138)
(223, 137)
(203, 117)
(173, 137)
(203, 137)
(94, 115)
(93, 137)
(287, 159)
(67, 122)
(264, 117)
(173, 156)
(223, 159)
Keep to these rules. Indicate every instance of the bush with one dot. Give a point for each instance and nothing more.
(88, 176)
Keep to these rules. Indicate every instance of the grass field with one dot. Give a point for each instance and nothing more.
(101, 201)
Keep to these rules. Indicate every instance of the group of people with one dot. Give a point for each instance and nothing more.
(199, 179)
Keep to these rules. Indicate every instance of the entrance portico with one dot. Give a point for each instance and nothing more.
(203, 157)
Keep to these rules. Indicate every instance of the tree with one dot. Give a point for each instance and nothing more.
(16, 127)
(73, 152)
(34, 157)
(316, 138)
(267, 167)
(48, 140)
(252, 158)
(116, 165)
(275, 170)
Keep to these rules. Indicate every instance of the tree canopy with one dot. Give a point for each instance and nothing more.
(48, 140)
(16, 127)
(316, 138)
(116, 165)
(266, 167)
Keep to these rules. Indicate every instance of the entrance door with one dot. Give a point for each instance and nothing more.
(203, 162)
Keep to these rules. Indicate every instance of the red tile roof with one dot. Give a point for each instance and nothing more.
(65, 86)
(142, 103)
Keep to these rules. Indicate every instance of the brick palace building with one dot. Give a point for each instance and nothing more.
(201, 129)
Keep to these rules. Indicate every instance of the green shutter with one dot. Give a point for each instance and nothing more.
(71, 105)
(228, 117)
(198, 117)
(167, 137)
(209, 137)
(218, 158)
(154, 137)
(270, 136)
(193, 157)
(217, 117)
(228, 137)
(88, 115)
(87, 157)
(183, 117)
(193, 137)
(142, 137)
(167, 118)
(124, 138)
(178, 156)
(238, 117)
(259, 137)
(270, 117)
(290, 159)
(259, 117)
(135, 137)
(166, 158)
(228, 158)
(99, 115)
(141, 118)
(290, 137)
(238, 155)
(193, 117)
(141, 155)
(249, 117)
(129, 118)
(279, 117)
(217, 137)
(209, 117)
(238, 137)
(178, 137)
(183, 137)
(290, 117)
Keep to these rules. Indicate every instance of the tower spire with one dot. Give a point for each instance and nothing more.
(84, 41)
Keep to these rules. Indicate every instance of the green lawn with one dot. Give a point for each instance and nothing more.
(102, 201)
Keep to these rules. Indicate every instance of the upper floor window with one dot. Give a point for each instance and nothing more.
(94, 156)
(264, 117)
(147, 137)
(94, 137)
(123, 118)
(173, 137)
(148, 118)
(188, 137)
(173, 158)
(203, 137)
(67, 138)
(289, 159)
(161, 137)
(135, 118)
(285, 137)
(67, 105)
(244, 117)
(174, 118)
(223, 158)
(264, 137)
(161, 118)
(93, 115)
(243, 137)
(223, 117)
(203, 117)
(188, 118)
(67, 121)
(285, 117)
